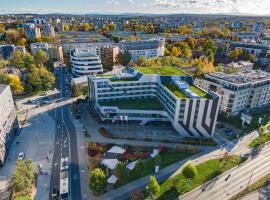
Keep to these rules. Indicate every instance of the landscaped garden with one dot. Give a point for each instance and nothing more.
(136, 104)
(114, 170)
(264, 137)
(199, 92)
(175, 90)
(163, 71)
(180, 184)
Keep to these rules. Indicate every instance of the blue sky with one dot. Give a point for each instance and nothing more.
(139, 6)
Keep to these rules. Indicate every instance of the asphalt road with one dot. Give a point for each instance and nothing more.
(65, 143)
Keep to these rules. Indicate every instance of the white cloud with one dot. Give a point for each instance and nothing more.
(113, 2)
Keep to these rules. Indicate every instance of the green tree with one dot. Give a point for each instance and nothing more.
(28, 60)
(97, 181)
(153, 186)
(17, 59)
(75, 91)
(186, 53)
(189, 171)
(3, 63)
(122, 173)
(157, 160)
(142, 61)
(124, 58)
(40, 57)
(139, 168)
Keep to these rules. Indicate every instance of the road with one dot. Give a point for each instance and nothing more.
(65, 143)
(240, 177)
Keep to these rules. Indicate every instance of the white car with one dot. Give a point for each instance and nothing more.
(21, 156)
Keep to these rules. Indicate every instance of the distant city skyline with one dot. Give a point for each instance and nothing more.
(136, 6)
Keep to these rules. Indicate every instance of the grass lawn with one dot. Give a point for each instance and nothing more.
(135, 104)
(175, 90)
(178, 185)
(263, 138)
(163, 71)
(167, 158)
(199, 92)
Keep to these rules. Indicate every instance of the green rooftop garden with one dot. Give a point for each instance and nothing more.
(163, 71)
(175, 90)
(135, 104)
(115, 79)
(199, 92)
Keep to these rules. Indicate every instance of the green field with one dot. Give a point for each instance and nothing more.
(199, 92)
(176, 91)
(163, 71)
(135, 104)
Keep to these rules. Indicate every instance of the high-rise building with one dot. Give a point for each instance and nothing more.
(8, 122)
(54, 52)
(32, 31)
(48, 30)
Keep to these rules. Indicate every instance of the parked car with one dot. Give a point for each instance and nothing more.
(21, 156)
(219, 125)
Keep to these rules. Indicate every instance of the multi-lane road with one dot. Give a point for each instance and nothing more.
(65, 147)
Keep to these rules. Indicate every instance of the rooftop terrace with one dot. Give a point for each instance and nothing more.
(163, 71)
(135, 104)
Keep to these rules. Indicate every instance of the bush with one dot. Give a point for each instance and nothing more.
(98, 181)
(189, 171)
(153, 185)
(139, 168)
(122, 173)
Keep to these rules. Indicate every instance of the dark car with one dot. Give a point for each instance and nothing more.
(219, 126)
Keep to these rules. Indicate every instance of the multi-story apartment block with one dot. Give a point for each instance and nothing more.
(32, 31)
(8, 122)
(8, 49)
(142, 97)
(259, 27)
(54, 52)
(48, 30)
(252, 48)
(241, 91)
(148, 48)
(109, 52)
(84, 62)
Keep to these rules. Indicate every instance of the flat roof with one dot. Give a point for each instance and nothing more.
(2, 88)
(241, 77)
(162, 71)
(150, 103)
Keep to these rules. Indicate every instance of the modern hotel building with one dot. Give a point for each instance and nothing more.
(84, 62)
(158, 95)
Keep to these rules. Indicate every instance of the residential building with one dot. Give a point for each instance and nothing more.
(8, 122)
(248, 36)
(109, 52)
(32, 31)
(252, 48)
(148, 48)
(8, 49)
(84, 62)
(244, 90)
(135, 96)
(48, 30)
(258, 27)
(54, 52)
(241, 66)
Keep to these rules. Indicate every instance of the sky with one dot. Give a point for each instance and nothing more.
(252, 7)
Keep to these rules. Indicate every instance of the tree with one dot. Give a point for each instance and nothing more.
(124, 58)
(12, 36)
(186, 53)
(153, 186)
(137, 195)
(13, 81)
(17, 59)
(141, 61)
(75, 91)
(39, 79)
(139, 168)
(40, 57)
(3, 63)
(97, 181)
(28, 60)
(2, 28)
(189, 171)
(121, 172)
(175, 51)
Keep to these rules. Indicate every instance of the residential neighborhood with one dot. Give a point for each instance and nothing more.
(169, 100)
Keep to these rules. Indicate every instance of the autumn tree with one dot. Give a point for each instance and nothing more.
(40, 57)
(97, 181)
(13, 81)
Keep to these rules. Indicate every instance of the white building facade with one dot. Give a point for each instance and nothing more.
(191, 116)
(147, 48)
(8, 122)
(84, 62)
(242, 91)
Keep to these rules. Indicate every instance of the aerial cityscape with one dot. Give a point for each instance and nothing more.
(133, 99)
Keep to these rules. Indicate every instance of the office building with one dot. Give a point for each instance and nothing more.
(143, 98)
(32, 31)
(8, 122)
(241, 91)
(84, 62)
(148, 48)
